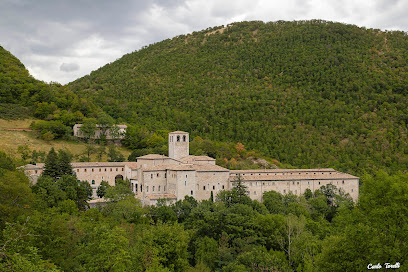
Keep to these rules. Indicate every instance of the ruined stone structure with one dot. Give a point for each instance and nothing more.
(98, 133)
(155, 176)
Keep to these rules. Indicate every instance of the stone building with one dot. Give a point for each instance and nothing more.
(155, 176)
(98, 133)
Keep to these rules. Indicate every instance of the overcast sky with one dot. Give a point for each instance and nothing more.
(62, 40)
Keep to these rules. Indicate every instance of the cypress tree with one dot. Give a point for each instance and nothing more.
(64, 163)
(51, 168)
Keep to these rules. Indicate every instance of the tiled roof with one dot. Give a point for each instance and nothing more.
(196, 158)
(178, 132)
(161, 196)
(153, 157)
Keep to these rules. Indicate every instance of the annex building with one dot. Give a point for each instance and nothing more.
(154, 176)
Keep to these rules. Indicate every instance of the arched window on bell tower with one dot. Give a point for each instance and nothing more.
(180, 148)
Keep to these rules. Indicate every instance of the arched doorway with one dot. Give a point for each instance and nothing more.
(118, 177)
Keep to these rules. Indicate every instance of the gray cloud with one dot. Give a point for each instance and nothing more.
(69, 67)
(84, 35)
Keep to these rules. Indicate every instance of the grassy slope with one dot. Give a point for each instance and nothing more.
(10, 140)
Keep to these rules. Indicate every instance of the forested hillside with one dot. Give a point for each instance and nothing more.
(312, 93)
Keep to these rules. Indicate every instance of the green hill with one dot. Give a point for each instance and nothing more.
(309, 93)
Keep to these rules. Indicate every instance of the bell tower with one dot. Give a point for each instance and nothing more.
(178, 144)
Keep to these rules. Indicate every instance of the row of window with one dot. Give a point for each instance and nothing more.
(213, 187)
(287, 183)
(284, 191)
(275, 174)
(178, 138)
(153, 188)
(165, 175)
(100, 169)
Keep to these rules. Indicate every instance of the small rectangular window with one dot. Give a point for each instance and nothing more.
(191, 192)
(213, 187)
(204, 188)
(223, 187)
(153, 189)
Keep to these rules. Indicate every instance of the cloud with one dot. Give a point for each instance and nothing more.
(69, 67)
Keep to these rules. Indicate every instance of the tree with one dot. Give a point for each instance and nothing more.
(103, 187)
(120, 191)
(89, 128)
(114, 155)
(24, 150)
(237, 195)
(105, 124)
(51, 167)
(64, 163)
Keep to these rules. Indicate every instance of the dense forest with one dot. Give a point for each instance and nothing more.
(252, 94)
(309, 93)
(48, 228)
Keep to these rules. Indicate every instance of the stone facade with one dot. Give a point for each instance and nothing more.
(155, 177)
(121, 132)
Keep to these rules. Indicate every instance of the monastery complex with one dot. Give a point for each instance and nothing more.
(155, 177)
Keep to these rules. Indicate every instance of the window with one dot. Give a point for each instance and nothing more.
(342, 182)
(122, 169)
(92, 169)
(36, 171)
(319, 182)
(298, 183)
(165, 175)
(213, 187)
(85, 170)
(293, 183)
(77, 170)
(223, 187)
(159, 188)
(178, 138)
(141, 188)
(153, 189)
(204, 188)
(308, 182)
(111, 169)
(100, 169)
(93, 182)
(157, 174)
(105, 169)
(151, 175)
(352, 190)
(116, 169)
(191, 192)
(147, 188)
(284, 191)
(164, 188)
(186, 176)
(185, 183)
(254, 192)
(184, 138)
